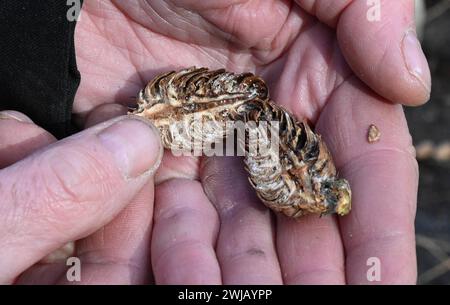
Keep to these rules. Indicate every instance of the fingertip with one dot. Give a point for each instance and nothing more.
(15, 115)
(104, 113)
(383, 50)
(134, 144)
(417, 66)
(133, 141)
(26, 138)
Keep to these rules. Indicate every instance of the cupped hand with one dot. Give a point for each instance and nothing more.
(323, 60)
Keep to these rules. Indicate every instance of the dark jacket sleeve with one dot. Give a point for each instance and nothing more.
(38, 71)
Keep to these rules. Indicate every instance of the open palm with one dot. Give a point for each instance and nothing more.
(208, 226)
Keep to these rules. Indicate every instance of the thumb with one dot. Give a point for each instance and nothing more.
(385, 52)
(72, 188)
(379, 42)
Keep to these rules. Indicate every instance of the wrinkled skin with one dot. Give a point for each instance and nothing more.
(208, 227)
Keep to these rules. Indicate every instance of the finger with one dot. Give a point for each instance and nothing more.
(119, 253)
(383, 177)
(15, 115)
(103, 113)
(379, 43)
(310, 250)
(184, 235)
(72, 188)
(25, 139)
(245, 245)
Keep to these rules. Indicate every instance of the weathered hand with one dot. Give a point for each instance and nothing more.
(323, 60)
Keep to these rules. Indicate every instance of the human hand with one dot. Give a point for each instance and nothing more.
(80, 188)
(209, 228)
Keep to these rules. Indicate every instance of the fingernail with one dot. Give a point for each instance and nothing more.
(134, 144)
(14, 115)
(415, 59)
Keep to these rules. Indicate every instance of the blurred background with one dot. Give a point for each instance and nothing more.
(430, 129)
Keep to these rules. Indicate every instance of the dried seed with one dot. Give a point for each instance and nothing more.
(296, 177)
(374, 134)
